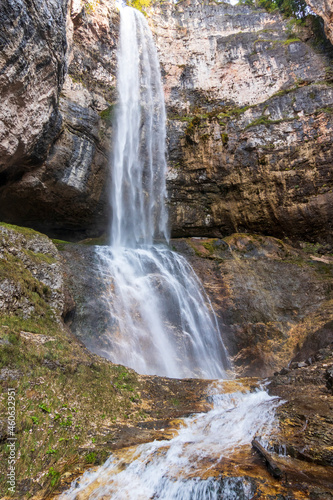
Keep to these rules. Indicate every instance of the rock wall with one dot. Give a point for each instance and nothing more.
(250, 122)
(32, 286)
(272, 300)
(249, 118)
(64, 189)
(32, 68)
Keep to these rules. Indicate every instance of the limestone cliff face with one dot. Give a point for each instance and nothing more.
(250, 122)
(249, 118)
(32, 68)
(64, 189)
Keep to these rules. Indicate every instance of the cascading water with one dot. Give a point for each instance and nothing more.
(161, 320)
(186, 467)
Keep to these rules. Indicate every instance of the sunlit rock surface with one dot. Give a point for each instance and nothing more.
(270, 298)
(32, 62)
(250, 122)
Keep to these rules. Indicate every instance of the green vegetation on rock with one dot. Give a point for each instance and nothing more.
(107, 114)
(296, 8)
(140, 5)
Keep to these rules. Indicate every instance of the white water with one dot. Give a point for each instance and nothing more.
(161, 320)
(139, 166)
(168, 470)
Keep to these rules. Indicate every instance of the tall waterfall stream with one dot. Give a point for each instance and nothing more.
(161, 320)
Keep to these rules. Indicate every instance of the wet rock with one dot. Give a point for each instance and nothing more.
(317, 344)
(268, 296)
(295, 366)
(305, 419)
(329, 379)
(284, 371)
(272, 466)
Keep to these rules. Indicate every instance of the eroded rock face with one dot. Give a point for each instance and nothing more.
(324, 9)
(31, 285)
(250, 123)
(249, 119)
(67, 192)
(32, 68)
(269, 297)
(272, 300)
(306, 429)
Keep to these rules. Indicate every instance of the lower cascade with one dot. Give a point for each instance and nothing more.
(188, 466)
(161, 321)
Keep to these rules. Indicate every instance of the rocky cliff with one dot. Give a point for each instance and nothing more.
(250, 123)
(249, 98)
(60, 81)
(324, 9)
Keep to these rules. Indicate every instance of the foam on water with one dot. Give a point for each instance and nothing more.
(166, 470)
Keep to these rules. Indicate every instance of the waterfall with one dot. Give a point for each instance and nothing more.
(188, 467)
(161, 321)
(139, 166)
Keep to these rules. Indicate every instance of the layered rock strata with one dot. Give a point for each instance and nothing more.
(64, 189)
(249, 119)
(250, 122)
(272, 300)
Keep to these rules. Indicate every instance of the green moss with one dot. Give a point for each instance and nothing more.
(60, 244)
(190, 129)
(90, 458)
(328, 110)
(26, 231)
(38, 257)
(102, 240)
(263, 120)
(291, 40)
(205, 137)
(225, 139)
(208, 245)
(230, 111)
(108, 113)
(76, 79)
